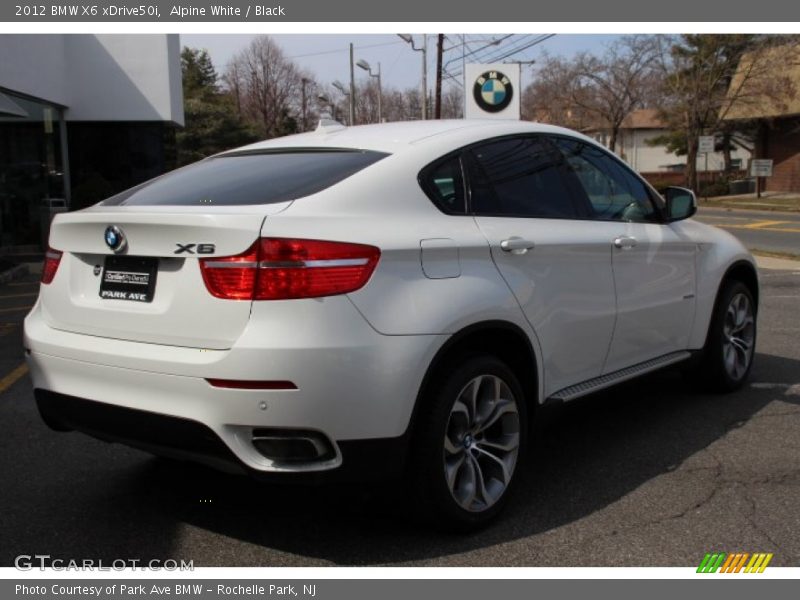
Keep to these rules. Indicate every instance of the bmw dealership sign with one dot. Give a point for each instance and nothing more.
(492, 91)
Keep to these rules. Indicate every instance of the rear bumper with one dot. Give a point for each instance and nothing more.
(174, 437)
(355, 387)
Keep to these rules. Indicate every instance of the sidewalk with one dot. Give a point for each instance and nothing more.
(769, 201)
(771, 263)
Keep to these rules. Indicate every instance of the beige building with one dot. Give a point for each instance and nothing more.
(777, 113)
(644, 125)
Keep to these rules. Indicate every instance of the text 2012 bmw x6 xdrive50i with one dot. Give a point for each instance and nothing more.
(370, 300)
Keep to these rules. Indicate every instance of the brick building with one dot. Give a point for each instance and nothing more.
(780, 141)
(778, 125)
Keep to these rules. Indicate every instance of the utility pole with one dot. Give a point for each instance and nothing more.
(346, 93)
(439, 51)
(409, 39)
(304, 82)
(352, 89)
(424, 76)
(380, 96)
(362, 64)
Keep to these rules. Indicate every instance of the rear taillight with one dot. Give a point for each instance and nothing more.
(52, 258)
(280, 269)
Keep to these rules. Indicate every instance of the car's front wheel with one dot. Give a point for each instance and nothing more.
(730, 347)
(470, 443)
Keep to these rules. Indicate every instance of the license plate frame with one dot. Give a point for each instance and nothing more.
(131, 278)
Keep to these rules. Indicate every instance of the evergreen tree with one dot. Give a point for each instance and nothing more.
(211, 120)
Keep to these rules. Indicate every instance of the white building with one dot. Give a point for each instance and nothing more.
(81, 117)
(644, 125)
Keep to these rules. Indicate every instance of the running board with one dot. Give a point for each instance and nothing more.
(604, 381)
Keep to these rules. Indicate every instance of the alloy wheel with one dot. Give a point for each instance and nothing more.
(481, 443)
(738, 332)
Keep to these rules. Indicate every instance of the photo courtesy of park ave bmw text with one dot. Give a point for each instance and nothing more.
(356, 287)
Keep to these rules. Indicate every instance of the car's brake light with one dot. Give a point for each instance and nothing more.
(52, 258)
(281, 269)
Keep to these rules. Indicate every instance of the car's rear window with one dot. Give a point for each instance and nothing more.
(249, 178)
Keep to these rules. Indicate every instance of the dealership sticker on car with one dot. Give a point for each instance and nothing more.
(129, 278)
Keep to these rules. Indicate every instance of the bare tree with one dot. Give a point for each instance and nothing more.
(550, 98)
(706, 77)
(613, 85)
(394, 105)
(594, 91)
(367, 101)
(453, 103)
(267, 87)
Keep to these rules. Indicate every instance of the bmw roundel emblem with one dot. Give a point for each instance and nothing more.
(493, 91)
(114, 238)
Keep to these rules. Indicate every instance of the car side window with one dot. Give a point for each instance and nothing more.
(522, 176)
(613, 193)
(444, 184)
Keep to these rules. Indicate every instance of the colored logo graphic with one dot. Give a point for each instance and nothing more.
(740, 562)
(493, 91)
(114, 238)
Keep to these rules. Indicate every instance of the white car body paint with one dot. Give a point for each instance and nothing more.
(358, 360)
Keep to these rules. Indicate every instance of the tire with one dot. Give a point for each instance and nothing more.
(465, 461)
(730, 347)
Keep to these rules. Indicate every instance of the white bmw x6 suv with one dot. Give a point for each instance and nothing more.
(378, 300)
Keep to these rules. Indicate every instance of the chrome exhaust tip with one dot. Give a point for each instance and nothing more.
(292, 445)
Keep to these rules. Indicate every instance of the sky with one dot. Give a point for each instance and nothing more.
(326, 56)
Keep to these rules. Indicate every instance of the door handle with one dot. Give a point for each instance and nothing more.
(516, 245)
(625, 242)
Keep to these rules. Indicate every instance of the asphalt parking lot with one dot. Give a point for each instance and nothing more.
(758, 229)
(652, 473)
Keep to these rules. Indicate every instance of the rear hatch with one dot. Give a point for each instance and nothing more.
(150, 288)
(148, 293)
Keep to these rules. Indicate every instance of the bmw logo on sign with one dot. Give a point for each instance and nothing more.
(493, 91)
(115, 239)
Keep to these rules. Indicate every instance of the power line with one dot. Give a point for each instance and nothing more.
(499, 54)
(324, 52)
(477, 53)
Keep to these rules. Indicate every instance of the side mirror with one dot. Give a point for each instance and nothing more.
(681, 203)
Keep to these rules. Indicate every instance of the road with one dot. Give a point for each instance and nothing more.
(758, 230)
(652, 473)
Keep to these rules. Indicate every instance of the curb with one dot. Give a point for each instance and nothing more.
(14, 273)
(781, 264)
(751, 207)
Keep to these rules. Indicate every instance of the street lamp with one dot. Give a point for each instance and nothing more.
(521, 63)
(365, 65)
(323, 99)
(346, 93)
(408, 39)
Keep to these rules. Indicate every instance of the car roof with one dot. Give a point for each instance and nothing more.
(408, 136)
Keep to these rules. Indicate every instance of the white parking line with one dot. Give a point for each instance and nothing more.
(791, 389)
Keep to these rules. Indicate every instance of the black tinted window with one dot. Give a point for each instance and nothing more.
(249, 178)
(613, 192)
(444, 184)
(520, 177)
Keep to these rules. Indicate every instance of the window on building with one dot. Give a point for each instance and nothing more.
(31, 169)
